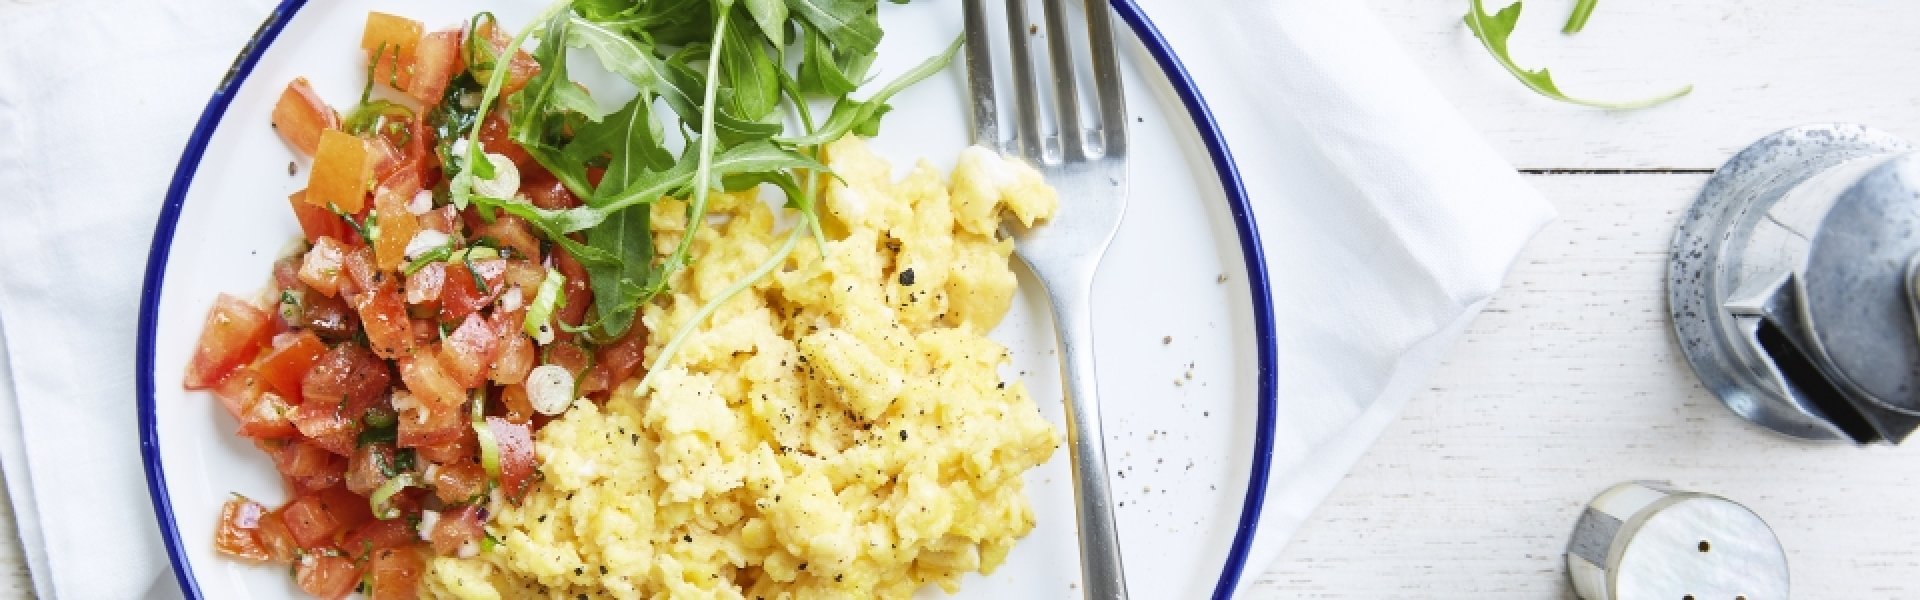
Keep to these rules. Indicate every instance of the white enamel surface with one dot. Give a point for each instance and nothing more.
(1179, 413)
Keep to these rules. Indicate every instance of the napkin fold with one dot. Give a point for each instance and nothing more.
(1387, 224)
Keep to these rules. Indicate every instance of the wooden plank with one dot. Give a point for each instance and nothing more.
(1756, 66)
(1570, 382)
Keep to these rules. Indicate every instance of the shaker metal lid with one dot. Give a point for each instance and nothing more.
(1856, 296)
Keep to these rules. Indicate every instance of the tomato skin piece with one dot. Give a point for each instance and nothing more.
(434, 61)
(577, 296)
(300, 116)
(233, 334)
(339, 174)
(508, 231)
(516, 455)
(457, 482)
(238, 534)
(302, 458)
(238, 391)
(468, 351)
(495, 138)
(277, 539)
(455, 528)
(545, 191)
(396, 573)
(383, 315)
(569, 356)
(347, 373)
(286, 365)
(515, 407)
(327, 577)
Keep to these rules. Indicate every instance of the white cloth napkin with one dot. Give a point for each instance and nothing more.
(1384, 235)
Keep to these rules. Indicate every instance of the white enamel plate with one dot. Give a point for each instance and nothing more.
(1182, 323)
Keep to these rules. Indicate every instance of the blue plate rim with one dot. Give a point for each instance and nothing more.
(1239, 205)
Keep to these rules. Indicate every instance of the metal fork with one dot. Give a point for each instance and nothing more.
(1087, 163)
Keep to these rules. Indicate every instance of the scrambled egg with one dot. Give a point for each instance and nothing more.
(839, 430)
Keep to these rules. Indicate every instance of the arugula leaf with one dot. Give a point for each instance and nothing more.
(824, 72)
(850, 25)
(752, 81)
(771, 16)
(618, 53)
(863, 116)
(1493, 31)
(632, 141)
(676, 181)
(1582, 10)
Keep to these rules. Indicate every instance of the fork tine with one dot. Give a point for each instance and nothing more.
(1106, 79)
(1073, 141)
(1026, 99)
(986, 119)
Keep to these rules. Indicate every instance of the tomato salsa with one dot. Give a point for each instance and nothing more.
(386, 371)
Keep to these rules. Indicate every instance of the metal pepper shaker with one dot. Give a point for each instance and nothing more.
(1792, 284)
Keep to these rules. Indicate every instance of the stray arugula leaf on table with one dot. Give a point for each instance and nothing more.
(1493, 31)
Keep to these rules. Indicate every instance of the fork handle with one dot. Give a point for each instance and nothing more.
(1100, 571)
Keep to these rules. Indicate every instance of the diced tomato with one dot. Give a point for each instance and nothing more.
(238, 534)
(327, 425)
(277, 539)
(238, 391)
(460, 296)
(434, 62)
(389, 41)
(576, 295)
(622, 357)
(514, 405)
(544, 191)
(520, 69)
(496, 138)
(327, 316)
(594, 380)
(350, 509)
(395, 573)
(383, 158)
(384, 317)
(311, 524)
(362, 275)
(327, 577)
(339, 174)
(368, 467)
(461, 446)
(316, 222)
(423, 287)
(569, 356)
(233, 334)
(324, 266)
(516, 454)
(430, 381)
(302, 459)
(397, 226)
(526, 275)
(287, 363)
(300, 116)
(516, 354)
(423, 427)
(455, 528)
(459, 481)
(445, 219)
(468, 351)
(369, 538)
(508, 231)
(267, 418)
(349, 374)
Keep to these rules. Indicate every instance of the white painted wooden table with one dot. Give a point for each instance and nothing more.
(1571, 381)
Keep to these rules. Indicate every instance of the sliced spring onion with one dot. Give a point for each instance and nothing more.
(489, 447)
(545, 300)
(290, 301)
(549, 389)
(473, 253)
(430, 257)
(383, 495)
